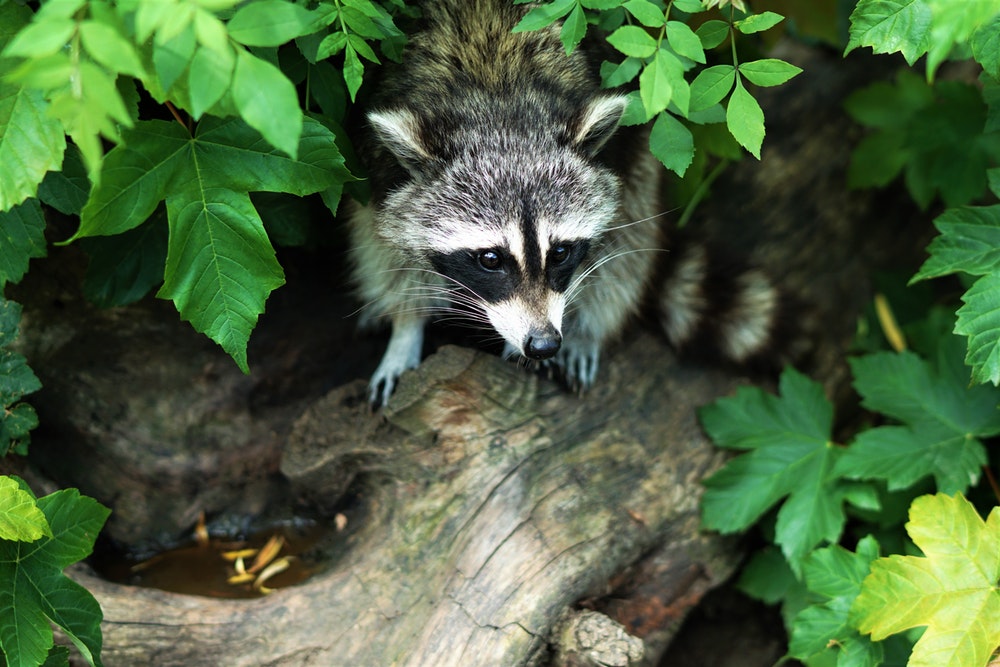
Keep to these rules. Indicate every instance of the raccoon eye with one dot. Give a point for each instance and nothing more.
(559, 254)
(490, 260)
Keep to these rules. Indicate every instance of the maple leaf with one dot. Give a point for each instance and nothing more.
(942, 416)
(834, 575)
(34, 590)
(791, 457)
(952, 589)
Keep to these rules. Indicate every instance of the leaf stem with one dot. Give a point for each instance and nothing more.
(700, 192)
(732, 37)
(992, 480)
(177, 116)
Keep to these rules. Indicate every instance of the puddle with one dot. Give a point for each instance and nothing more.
(222, 568)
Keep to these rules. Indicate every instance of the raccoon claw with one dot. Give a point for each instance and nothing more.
(578, 364)
(379, 391)
(402, 354)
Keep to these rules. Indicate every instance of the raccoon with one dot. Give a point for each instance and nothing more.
(503, 188)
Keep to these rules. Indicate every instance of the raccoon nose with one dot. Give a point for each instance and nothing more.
(543, 345)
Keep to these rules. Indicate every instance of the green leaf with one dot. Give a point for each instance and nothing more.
(790, 456)
(888, 26)
(362, 48)
(946, 137)
(672, 144)
(359, 22)
(633, 41)
(877, 160)
(16, 378)
(135, 178)
(89, 111)
(767, 576)
(354, 70)
(22, 237)
(35, 592)
(952, 589)
(614, 75)
(646, 13)
(539, 17)
(942, 416)
(768, 72)
(979, 319)
(986, 46)
(758, 22)
(573, 30)
(953, 25)
(712, 33)
(20, 519)
(171, 58)
(683, 40)
(220, 286)
(67, 190)
(31, 141)
(711, 85)
(745, 119)
(267, 101)
(689, 6)
(661, 82)
(110, 48)
(834, 576)
(209, 78)
(41, 38)
(969, 241)
(126, 267)
(270, 23)
(220, 265)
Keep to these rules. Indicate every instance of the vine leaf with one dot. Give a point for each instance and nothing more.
(31, 575)
(17, 418)
(31, 141)
(952, 589)
(967, 243)
(220, 265)
(214, 281)
(942, 417)
(745, 119)
(834, 575)
(891, 25)
(22, 238)
(790, 456)
(20, 518)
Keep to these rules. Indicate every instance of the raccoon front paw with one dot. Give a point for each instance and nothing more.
(383, 383)
(578, 364)
(402, 354)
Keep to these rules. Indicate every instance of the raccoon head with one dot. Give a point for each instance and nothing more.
(505, 212)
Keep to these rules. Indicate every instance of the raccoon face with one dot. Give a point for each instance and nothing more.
(507, 218)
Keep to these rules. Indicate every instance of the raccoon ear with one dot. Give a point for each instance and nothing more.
(400, 132)
(597, 122)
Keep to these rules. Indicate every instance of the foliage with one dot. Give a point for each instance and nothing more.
(834, 597)
(660, 48)
(38, 539)
(931, 423)
(170, 202)
(944, 136)
(16, 381)
(953, 589)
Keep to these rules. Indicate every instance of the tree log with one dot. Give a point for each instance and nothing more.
(492, 502)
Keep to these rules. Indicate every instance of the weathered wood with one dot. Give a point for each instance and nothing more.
(492, 503)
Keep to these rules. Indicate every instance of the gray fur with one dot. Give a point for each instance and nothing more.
(486, 139)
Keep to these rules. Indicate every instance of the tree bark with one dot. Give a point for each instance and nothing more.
(493, 503)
